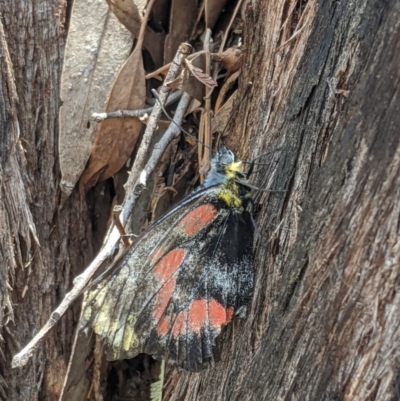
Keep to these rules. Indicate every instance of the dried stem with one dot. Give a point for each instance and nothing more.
(166, 66)
(172, 132)
(117, 222)
(205, 151)
(134, 113)
(225, 38)
(184, 50)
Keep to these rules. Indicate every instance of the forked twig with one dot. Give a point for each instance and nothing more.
(166, 66)
(81, 282)
(134, 113)
(184, 50)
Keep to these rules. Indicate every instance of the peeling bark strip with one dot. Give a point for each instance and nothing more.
(325, 320)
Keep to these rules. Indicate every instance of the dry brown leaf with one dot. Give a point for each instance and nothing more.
(230, 59)
(91, 63)
(220, 121)
(182, 18)
(117, 137)
(130, 14)
(230, 81)
(200, 75)
(188, 83)
(194, 106)
(213, 9)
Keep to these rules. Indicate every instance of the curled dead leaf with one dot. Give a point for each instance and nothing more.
(230, 59)
(116, 138)
(200, 75)
(226, 87)
(221, 118)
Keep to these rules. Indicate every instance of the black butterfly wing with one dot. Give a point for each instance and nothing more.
(171, 293)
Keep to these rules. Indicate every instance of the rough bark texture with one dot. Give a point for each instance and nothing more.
(42, 246)
(324, 322)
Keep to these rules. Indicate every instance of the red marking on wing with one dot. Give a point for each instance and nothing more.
(165, 269)
(197, 315)
(169, 264)
(229, 314)
(155, 255)
(163, 297)
(180, 325)
(218, 314)
(198, 218)
(164, 326)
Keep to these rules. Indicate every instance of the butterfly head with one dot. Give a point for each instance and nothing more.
(224, 166)
(225, 172)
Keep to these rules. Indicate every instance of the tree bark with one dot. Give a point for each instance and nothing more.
(43, 246)
(324, 321)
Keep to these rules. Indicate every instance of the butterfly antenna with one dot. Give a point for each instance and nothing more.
(156, 388)
(256, 229)
(263, 243)
(253, 162)
(172, 121)
(251, 170)
(248, 186)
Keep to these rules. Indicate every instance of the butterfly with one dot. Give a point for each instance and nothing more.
(172, 291)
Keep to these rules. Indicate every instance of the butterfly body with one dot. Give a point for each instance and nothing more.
(173, 290)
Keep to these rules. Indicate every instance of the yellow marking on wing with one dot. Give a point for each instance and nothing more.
(130, 339)
(103, 319)
(100, 307)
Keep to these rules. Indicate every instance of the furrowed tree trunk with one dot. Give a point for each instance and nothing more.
(324, 321)
(42, 246)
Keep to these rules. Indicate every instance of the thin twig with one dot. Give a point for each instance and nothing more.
(117, 222)
(81, 282)
(134, 113)
(166, 66)
(173, 122)
(205, 153)
(172, 132)
(225, 38)
(184, 50)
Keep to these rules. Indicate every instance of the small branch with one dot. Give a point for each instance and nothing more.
(172, 132)
(117, 222)
(183, 51)
(98, 117)
(134, 113)
(166, 66)
(225, 38)
(205, 151)
(81, 282)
